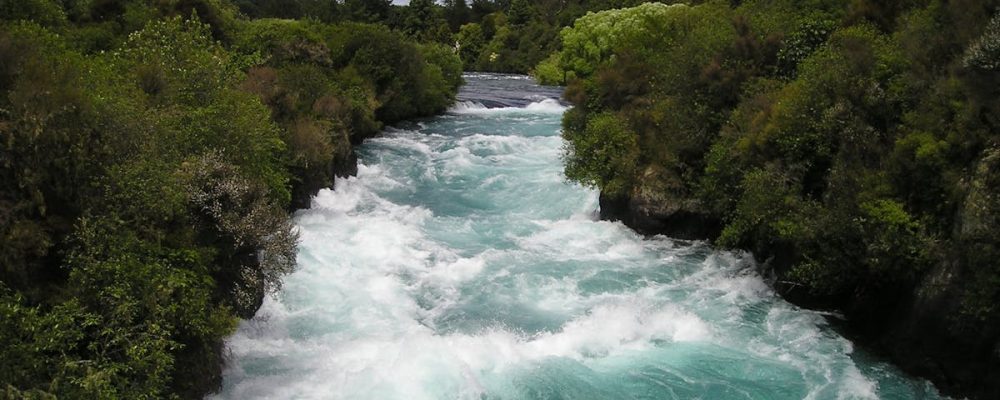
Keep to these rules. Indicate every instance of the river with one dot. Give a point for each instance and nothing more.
(460, 264)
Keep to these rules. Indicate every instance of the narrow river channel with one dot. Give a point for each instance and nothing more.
(460, 264)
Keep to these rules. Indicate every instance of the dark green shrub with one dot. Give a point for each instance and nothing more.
(603, 155)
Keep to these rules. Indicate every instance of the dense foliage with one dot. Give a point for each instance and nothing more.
(852, 145)
(150, 152)
(491, 35)
(515, 35)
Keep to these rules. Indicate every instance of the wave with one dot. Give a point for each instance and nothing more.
(459, 264)
(496, 76)
(546, 106)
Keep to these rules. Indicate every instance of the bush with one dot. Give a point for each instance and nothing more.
(549, 72)
(896, 246)
(443, 57)
(47, 13)
(594, 38)
(176, 60)
(471, 41)
(282, 42)
(778, 119)
(985, 51)
(143, 190)
(801, 43)
(407, 82)
(603, 155)
(153, 304)
(257, 239)
(38, 348)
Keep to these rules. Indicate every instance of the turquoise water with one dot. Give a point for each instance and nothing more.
(460, 264)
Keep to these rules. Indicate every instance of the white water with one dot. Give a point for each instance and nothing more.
(459, 264)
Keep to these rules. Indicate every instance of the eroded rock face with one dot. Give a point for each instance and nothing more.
(931, 338)
(979, 216)
(957, 302)
(660, 205)
(343, 162)
(945, 328)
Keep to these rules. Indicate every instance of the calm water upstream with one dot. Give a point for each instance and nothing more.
(460, 264)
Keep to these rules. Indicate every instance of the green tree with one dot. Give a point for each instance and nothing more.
(368, 10)
(470, 42)
(985, 51)
(457, 13)
(44, 12)
(422, 20)
(520, 12)
(603, 155)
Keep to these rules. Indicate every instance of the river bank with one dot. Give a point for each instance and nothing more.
(916, 328)
(459, 263)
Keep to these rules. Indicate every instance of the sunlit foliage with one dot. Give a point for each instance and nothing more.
(149, 154)
(847, 143)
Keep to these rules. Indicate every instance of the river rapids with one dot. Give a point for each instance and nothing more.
(461, 264)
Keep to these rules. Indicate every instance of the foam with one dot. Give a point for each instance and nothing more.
(495, 77)
(401, 296)
(546, 106)
(857, 386)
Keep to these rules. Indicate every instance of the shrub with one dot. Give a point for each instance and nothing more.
(603, 155)
(549, 72)
(179, 60)
(897, 248)
(470, 41)
(984, 53)
(258, 240)
(801, 43)
(594, 38)
(47, 13)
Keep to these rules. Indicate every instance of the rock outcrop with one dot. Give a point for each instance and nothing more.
(658, 205)
(943, 328)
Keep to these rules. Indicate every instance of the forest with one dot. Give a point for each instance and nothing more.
(853, 146)
(152, 151)
(510, 36)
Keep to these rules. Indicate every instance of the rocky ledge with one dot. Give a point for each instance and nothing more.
(925, 329)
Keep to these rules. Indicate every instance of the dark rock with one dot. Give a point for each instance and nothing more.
(306, 187)
(654, 207)
(345, 166)
(648, 219)
(924, 331)
(614, 208)
(924, 327)
(202, 372)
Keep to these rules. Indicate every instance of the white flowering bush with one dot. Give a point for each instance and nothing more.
(261, 239)
(985, 52)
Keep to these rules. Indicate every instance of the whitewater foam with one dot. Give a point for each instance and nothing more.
(460, 264)
(546, 106)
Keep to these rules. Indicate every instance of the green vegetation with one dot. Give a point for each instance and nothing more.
(150, 152)
(491, 35)
(850, 144)
(515, 35)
